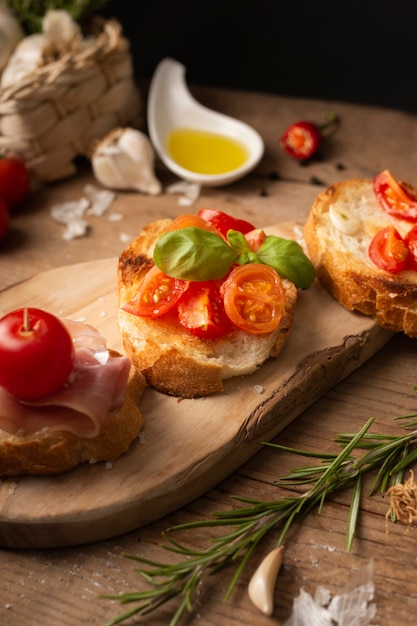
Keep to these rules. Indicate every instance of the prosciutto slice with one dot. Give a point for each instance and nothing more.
(97, 384)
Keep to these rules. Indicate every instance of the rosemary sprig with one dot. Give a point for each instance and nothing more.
(30, 12)
(248, 525)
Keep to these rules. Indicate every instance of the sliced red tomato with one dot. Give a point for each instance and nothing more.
(255, 238)
(254, 298)
(224, 222)
(388, 250)
(411, 243)
(395, 198)
(186, 220)
(201, 311)
(158, 294)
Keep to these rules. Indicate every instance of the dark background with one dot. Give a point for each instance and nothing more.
(355, 51)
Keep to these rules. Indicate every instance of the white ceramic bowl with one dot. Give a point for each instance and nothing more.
(171, 106)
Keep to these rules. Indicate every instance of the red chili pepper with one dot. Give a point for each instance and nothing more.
(302, 139)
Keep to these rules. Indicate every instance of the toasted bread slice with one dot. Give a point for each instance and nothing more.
(171, 359)
(54, 452)
(338, 232)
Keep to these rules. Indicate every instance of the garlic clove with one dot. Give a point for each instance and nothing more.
(343, 220)
(61, 30)
(124, 159)
(262, 584)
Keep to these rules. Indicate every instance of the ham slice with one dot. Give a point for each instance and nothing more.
(97, 384)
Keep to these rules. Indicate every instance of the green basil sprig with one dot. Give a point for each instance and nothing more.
(195, 254)
(284, 255)
(288, 260)
(192, 253)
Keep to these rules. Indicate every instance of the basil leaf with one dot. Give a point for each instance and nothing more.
(288, 259)
(239, 243)
(192, 253)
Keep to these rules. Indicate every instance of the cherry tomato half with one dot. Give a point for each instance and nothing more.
(394, 197)
(224, 222)
(14, 181)
(185, 220)
(201, 311)
(301, 140)
(255, 238)
(158, 294)
(36, 353)
(410, 241)
(4, 218)
(388, 250)
(254, 298)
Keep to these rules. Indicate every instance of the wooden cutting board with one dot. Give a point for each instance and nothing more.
(186, 446)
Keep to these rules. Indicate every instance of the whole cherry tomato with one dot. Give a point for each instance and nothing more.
(14, 181)
(301, 140)
(36, 353)
(388, 250)
(4, 218)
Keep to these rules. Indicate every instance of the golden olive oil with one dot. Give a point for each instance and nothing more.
(204, 152)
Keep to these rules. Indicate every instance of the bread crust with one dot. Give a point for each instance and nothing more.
(342, 263)
(171, 359)
(47, 453)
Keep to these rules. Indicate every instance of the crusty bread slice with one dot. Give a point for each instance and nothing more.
(54, 452)
(171, 359)
(341, 257)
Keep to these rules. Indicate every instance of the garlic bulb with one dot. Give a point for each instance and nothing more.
(59, 34)
(124, 159)
(262, 584)
(10, 33)
(26, 58)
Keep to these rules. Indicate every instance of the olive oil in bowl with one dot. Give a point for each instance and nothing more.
(205, 152)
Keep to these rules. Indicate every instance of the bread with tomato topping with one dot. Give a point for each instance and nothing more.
(340, 229)
(174, 361)
(41, 444)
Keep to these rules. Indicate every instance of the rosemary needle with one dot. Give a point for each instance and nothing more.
(30, 14)
(247, 525)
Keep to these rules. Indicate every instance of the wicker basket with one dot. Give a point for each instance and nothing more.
(60, 111)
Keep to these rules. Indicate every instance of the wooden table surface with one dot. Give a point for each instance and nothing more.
(63, 586)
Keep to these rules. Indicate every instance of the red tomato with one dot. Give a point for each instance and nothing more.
(255, 238)
(36, 353)
(186, 220)
(201, 311)
(411, 243)
(158, 294)
(14, 181)
(224, 222)
(4, 218)
(301, 140)
(254, 298)
(388, 250)
(395, 198)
